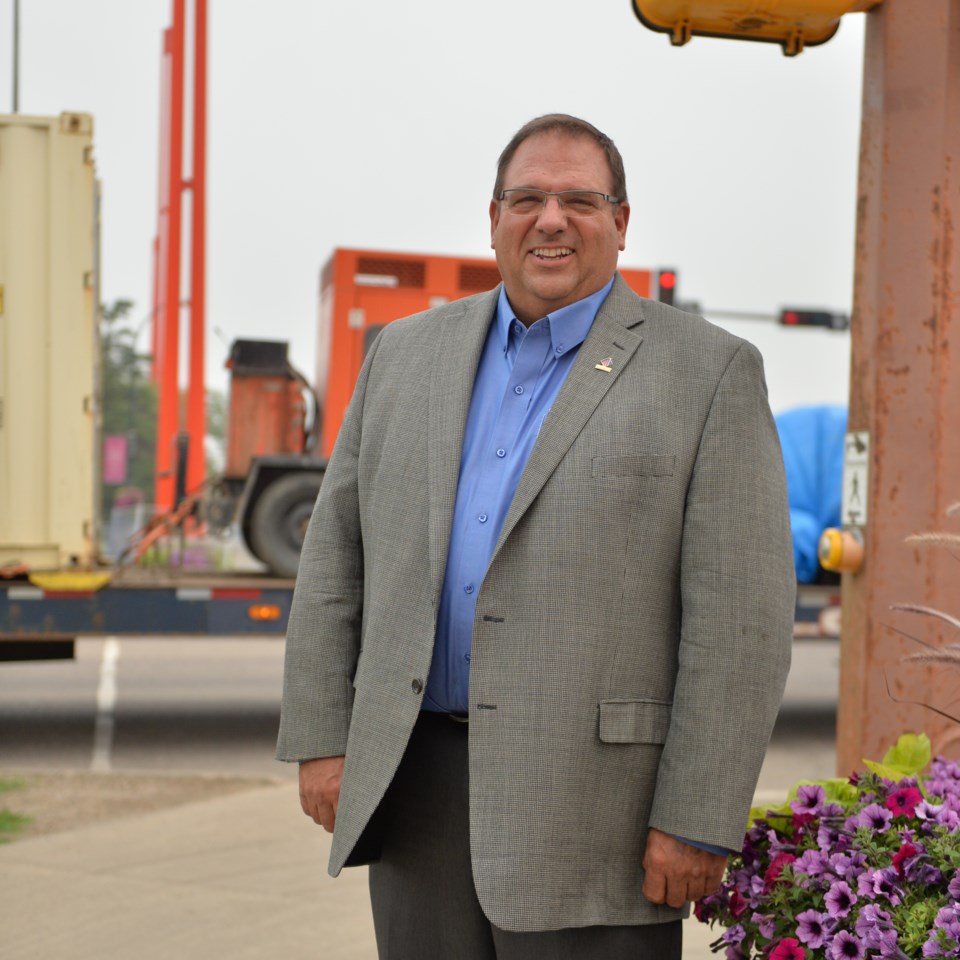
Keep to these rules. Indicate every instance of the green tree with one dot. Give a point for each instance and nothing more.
(129, 400)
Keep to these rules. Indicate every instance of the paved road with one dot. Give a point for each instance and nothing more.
(212, 706)
(243, 874)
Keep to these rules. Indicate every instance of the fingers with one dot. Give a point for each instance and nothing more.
(320, 790)
(676, 872)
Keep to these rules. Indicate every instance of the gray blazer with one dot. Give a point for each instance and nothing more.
(633, 632)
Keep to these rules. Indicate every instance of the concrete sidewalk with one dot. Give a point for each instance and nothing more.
(242, 876)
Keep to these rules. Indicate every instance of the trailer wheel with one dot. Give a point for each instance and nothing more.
(279, 521)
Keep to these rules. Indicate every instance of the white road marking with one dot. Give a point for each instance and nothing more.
(106, 704)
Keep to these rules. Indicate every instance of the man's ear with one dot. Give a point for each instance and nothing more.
(494, 220)
(621, 219)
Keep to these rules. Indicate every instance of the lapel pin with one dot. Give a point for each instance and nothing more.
(606, 365)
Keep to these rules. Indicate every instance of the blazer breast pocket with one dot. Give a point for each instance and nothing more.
(635, 465)
(634, 721)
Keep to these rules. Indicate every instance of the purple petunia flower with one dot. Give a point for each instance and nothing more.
(874, 816)
(875, 928)
(888, 945)
(840, 899)
(811, 862)
(865, 886)
(953, 888)
(810, 798)
(885, 885)
(947, 917)
(845, 946)
(944, 777)
(927, 810)
(848, 866)
(829, 837)
(734, 934)
(766, 924)
(812, 928)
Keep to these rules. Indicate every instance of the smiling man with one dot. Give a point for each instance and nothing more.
(544, 611)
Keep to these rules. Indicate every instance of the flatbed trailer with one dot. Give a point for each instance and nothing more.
(818, 612)
(41, 619)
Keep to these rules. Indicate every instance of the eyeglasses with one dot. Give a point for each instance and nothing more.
(525, 201)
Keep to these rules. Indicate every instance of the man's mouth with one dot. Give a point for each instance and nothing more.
(552, 253)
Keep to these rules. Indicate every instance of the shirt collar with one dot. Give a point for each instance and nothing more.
(568, 326)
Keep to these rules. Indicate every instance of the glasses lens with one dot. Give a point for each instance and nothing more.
(581, 203)
(524, 201)
(575, 203)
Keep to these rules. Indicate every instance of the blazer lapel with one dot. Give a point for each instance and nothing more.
(458, 349)
(610, 338)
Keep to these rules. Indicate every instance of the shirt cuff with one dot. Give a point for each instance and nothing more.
(709, 847)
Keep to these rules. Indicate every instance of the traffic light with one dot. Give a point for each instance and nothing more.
(802, 23)
(802, 317)
(666, 285)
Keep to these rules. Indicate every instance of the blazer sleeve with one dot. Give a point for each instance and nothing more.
(738, 591)
(324, 629)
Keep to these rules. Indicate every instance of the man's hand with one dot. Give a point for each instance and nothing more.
(677, 872)
(320, 789)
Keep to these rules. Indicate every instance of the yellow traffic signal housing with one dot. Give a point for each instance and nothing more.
(794, 24)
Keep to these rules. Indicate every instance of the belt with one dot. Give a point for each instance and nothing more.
(460, 718)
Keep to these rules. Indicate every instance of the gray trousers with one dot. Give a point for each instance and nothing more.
(421, 889)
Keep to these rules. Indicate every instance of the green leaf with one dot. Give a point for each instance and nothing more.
(882, 770)
(908, 757)
(840, 790)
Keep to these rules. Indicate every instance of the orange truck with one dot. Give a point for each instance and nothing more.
(281, 430)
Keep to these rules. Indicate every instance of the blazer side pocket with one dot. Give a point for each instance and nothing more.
(635, 465)
(634, 721)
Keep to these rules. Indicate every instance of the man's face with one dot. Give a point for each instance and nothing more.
(549, 260)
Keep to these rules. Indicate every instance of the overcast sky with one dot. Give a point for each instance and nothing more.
(377, 124)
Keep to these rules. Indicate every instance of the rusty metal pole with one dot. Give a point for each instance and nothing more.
(905, 379)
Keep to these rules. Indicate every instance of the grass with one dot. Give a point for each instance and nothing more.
(11, 823)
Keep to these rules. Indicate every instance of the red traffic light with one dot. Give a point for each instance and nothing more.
(794, 317)
(666, 285)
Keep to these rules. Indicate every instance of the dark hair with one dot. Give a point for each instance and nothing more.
(574, 127)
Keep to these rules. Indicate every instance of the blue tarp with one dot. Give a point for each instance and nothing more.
(812, 439)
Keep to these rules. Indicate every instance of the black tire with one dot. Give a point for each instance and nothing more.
(279, 521)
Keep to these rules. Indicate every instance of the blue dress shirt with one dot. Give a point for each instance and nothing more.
(520, 373)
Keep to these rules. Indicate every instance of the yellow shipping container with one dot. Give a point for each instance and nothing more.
(48, 341)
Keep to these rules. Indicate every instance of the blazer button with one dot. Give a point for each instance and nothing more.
(417, 686)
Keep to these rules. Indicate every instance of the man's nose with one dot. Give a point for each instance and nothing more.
(553, 217)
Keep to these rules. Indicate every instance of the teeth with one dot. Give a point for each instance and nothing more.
(552, 253)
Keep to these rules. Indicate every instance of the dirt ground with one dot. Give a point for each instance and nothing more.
(63, 800)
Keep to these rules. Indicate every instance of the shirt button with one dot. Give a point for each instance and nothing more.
(559, 349)
(501, 453)
(468, 588)
(518, 390)
(466, 657)
(482, 518)
(417, 685)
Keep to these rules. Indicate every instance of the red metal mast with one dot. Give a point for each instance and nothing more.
(168, 257)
